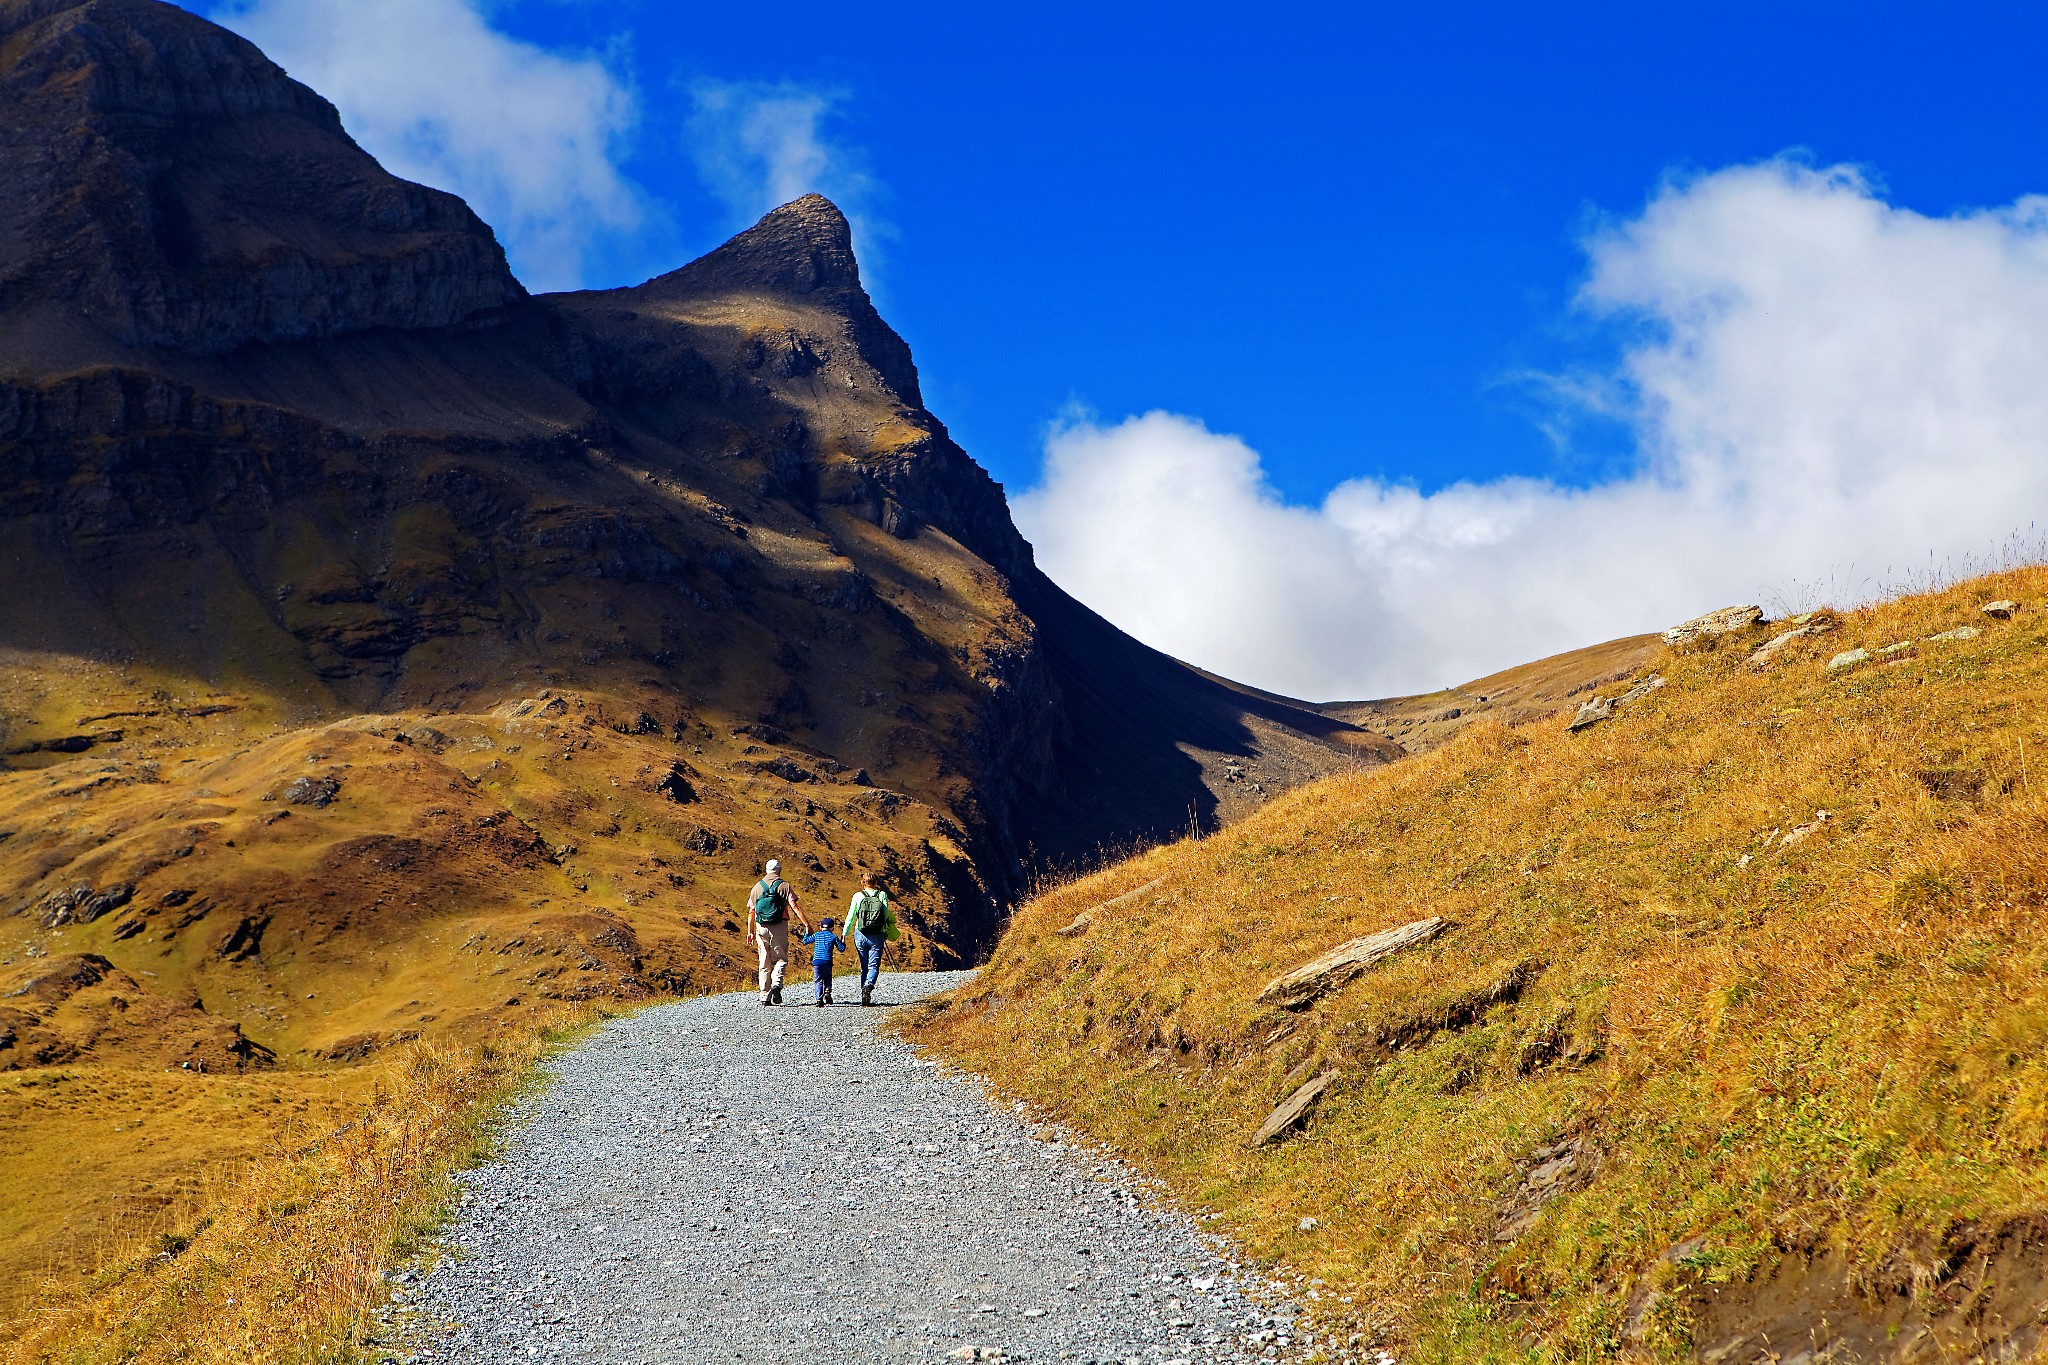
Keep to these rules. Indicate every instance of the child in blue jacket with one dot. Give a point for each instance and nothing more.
(823, 944)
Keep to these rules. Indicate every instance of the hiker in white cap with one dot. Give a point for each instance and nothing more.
(769, 906)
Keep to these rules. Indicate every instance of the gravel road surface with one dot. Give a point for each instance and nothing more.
(714, 1181)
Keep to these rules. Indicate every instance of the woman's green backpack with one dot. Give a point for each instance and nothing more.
(768, 903)
(871, 913)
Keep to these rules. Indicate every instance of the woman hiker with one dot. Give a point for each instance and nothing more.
(769, 906)
(870, 923)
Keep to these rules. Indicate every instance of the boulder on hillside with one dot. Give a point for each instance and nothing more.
(1568, 1164)
(1807, 624)
(1319, 976)
(312, 791)
(1640, 690)
(2002, 609)
(1720, 622)
(675, 785)
(426, 737)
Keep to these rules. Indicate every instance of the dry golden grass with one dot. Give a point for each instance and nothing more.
(284, 1261)
(455, 888)
(96, 1158)
(1836, 1046)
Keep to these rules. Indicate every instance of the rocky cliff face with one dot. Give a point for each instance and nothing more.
(169, 186)
(272, 418)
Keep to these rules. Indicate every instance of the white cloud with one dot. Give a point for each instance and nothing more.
(760, 144)
(1827, 390)
(529, 137)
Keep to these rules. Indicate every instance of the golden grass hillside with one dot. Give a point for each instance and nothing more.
(224, 923)
(1697, 1070)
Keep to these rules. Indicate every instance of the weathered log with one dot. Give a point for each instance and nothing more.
(1293, 1111)
(1086, 917)
(1319, 976)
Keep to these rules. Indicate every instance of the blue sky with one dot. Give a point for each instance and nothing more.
(1354, 236)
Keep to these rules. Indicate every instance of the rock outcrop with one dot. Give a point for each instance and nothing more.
(1726, 621)
(61, 1008)
(1596, 709)
(1562, 1166)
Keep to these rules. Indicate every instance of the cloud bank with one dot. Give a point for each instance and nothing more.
(1824, 390)
(531, 138)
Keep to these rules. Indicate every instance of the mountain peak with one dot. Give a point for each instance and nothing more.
(801, 251)
(803, 247)
(814, 209)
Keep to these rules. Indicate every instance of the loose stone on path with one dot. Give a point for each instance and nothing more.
(680, 1193)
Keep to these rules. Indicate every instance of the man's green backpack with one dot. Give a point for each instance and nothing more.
(768, 904)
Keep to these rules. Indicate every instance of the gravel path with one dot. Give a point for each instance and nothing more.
(713, 1181)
